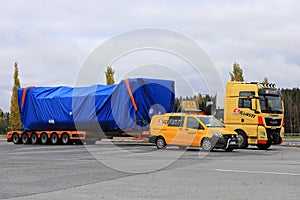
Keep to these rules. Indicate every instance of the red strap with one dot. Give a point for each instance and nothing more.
(24, 95)
(130, 93)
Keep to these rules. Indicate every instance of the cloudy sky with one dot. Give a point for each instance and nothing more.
(51, 40)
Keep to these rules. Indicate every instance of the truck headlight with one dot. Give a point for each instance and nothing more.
(262, 134)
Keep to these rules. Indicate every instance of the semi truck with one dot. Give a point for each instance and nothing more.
(254, 110)
(85, 114)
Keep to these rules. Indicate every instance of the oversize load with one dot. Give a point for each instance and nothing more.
(85, 108)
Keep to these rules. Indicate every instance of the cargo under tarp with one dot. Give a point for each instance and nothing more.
(123, 107)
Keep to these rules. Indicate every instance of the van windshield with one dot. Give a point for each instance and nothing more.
(211, 121)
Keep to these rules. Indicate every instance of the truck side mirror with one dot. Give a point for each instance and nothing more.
(254, 105)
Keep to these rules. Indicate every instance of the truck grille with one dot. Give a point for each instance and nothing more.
(273, 121)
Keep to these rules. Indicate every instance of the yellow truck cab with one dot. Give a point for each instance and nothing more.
(191, 130)
(255, 111)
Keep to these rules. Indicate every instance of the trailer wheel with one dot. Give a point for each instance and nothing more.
(54, 138)
(44, 138)
(207, 144)
(34, 138)
(15, 138)
(65, 139)
(160, 143)
(24, 138)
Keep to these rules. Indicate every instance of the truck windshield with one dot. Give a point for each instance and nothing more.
(211, 121)
(270, 104)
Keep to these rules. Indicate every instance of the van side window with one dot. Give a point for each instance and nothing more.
(193, 123)
(175, 121)
(244, 103)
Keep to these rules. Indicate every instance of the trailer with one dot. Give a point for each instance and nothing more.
(84, 114)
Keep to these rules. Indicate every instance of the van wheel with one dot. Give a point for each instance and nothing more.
(24, 138)
(207, 144)
(243, 139)
(15, 138)
(160, 143)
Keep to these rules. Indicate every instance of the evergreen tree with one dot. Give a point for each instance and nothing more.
(110, 76)
(237, 73)
(14, 119)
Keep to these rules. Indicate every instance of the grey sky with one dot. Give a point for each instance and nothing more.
(51, 39)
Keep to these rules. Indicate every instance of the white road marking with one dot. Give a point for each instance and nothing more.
(256, 172)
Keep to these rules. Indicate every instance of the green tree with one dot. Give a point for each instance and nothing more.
(237, 73)
(14, 120)
(110, 76)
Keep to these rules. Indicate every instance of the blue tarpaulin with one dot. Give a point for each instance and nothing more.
(127, 106)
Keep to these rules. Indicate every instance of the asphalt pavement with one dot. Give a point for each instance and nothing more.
(139, 171)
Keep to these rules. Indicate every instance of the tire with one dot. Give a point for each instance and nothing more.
(44, 138)
(207, 144)
(243, 139)
(160, 143)
(65, 139)
(263, 146)
(34, 138)
(24, 138)
(54, 138)
(15, 138)
(229, 149)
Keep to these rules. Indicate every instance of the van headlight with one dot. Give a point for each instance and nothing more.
(217, 135)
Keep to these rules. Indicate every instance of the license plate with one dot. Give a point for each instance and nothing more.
(273, 127)
(232, 142)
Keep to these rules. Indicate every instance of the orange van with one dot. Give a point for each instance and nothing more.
(191, 130)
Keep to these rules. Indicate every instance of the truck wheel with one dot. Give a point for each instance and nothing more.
(44, 138)
(263, 146)
(24, 138)
(54, 138)
(34, 138)
(160, 143)
(243, 139)
(207, 144)
(65, 139)
(15, 138)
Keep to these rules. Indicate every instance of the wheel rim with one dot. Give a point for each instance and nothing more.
(241, 140)
(44, 138)
(206, 145)
(54, 139)
(15, 138)
(65, 139)
(24, 139)
(160, 143)
(33, 139)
